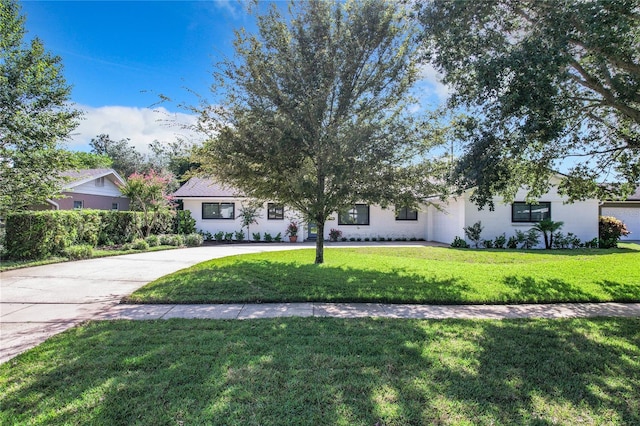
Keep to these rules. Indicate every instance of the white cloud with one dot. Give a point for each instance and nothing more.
(141, 125)
(432, 79)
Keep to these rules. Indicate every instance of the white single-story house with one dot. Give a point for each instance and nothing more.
(91, 189)
(627, 211)
(216, 208)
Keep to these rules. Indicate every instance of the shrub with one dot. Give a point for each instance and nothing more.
(278, 237)
(174, 240)
(343, 239)
(118, 227)
(140, 244)
(487, 243)
(611, 229)
(352, 239)
(334, 234)
(153, 240)
(531, 239)
(219, 236)
(374, 239)
(79, 251)
(459, 243)
(474, 232)
(512, 243)
(228, 236)
(366, 238)
(592, 244)
(267, 237)
(239, 235)
(256, 236)
(38, 235)
(206, 235)
(547, 227)
(500, 241)
(193, 240)
(184, 223)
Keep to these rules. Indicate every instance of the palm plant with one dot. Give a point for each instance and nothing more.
(547, 227)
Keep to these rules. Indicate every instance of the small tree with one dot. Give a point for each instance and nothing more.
(249, 214)
(473, 233)
(611, 229)
(148, 194)
(547, 227)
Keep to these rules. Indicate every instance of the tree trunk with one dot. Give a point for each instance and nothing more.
(320, 243)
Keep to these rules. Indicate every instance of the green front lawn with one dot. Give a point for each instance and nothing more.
(407, 275)
(314, 371)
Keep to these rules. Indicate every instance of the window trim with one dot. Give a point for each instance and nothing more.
(406, 209)
(530, 205)
(116, 205)
(81, 204)
(355, 208)
(233, 215)
(275, 207)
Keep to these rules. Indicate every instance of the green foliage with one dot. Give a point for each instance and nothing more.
(267, 237)
(611, 229)
(547, 227)
(148, 193)
(316, 112)
(249, 213)
(87, 160)
(79, 251)
(459, 243)
(474, 232)
(219, 236)
(561, 241)
(175, 240)
(193, 240)
(487, 243)
(228, 236)
(256, 236)
(184, 223)
(35, 116)
(153, 240)
(119, 227)
(239, 235)
(126, 160)
(512, 243)
(140, 244)
(545, 81)
(500, 241)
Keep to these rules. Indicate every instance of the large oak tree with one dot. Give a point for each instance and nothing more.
(35, 116)
(315, 112)
(551, 84)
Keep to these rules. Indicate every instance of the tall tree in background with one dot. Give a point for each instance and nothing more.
(315, 111)
(546, 81)
(126, 160)
(35, 116)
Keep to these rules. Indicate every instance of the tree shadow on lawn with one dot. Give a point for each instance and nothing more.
(555, 252)
(331, 371)
(545, 291)
(258, 281)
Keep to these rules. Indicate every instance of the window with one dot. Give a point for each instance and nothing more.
(78, 204)
(358, 215)
(524, 212)
(275, 212)
(100, 181)
(406, 213)
(114, 206)
(218, 211)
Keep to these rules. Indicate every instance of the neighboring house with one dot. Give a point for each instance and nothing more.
(627, 211)
(216, 208)
(91, 189)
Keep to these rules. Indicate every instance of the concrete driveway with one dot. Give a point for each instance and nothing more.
(37, 303)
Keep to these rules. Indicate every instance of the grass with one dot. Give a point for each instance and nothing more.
(325, 371)
(407, 275)
(7, 265)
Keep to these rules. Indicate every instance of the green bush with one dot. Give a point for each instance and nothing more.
(256, 236)
(267, 237)
(474, 232)
(153, 240)
(219, 236)
(239, 235)
(611, 229)
(118, 227)
(193, 240)
(459, 243)
(79, 251)
(175, 240)
(500, 241)
(184, 223)
(140, 244)
(38, 235)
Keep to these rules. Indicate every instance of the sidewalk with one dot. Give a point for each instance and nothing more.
(360, 310)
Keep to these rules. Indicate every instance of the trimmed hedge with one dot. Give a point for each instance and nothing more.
(41, 234)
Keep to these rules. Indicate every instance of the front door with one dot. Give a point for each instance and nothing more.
(312, 232)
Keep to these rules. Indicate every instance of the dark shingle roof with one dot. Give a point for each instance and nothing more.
(203, 187)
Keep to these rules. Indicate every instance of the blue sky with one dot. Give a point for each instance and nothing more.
(119, 55)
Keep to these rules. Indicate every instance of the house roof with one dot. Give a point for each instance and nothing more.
(78, 177)
(204, 187)
(635, 196)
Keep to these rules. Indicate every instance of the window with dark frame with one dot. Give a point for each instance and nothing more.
(357, 215)
(406, 213)
(275, 211)
(114, 206)
(226, 211)
(526, 212)
(78, 204)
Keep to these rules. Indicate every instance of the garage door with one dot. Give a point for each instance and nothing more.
(630, 216)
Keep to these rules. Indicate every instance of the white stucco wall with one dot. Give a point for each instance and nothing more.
(227, 225)
(447, 221)
(382, 224)
(580, 218)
